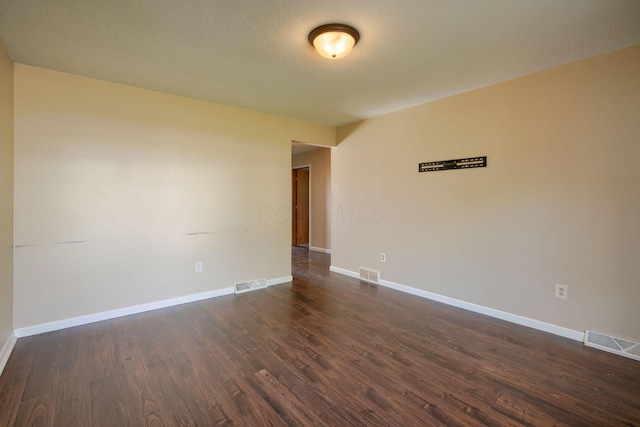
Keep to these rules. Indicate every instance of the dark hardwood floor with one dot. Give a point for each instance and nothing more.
(323, 350)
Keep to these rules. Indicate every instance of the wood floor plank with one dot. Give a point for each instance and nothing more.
(178, 400)
(282, 400)
(43, 375)
(36, 412)
(324, 350)
(137, 392)
(12, 384)
(73, 395)
(132, 373)
(108, 407)
(159, 419)
(225, 382)
(97, 351)
(23, 351)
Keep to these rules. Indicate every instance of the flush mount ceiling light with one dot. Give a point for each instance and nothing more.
(334, 41)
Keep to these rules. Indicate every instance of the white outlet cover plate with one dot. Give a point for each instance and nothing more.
(562, 291)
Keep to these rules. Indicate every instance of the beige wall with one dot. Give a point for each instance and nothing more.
(320, 208)
(558, 203)
(6, 196)
(119, 191)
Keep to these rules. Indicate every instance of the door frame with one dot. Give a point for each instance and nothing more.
(310, 201)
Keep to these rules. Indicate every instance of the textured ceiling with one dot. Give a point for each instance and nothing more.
(254, 54)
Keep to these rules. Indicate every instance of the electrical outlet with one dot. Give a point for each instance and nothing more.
(562, 291)
(383, 257)
(199, 267)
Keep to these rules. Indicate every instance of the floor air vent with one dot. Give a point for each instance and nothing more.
(243, 287)
(369, 275)
(614, 345)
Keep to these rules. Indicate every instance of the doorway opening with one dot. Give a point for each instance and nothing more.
(311, 197)
(300, 178)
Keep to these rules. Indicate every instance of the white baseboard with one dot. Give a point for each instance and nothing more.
(503, 315)
(279, 280)
(7, 348)
(323, 250)
(112, 314)
(344, 272)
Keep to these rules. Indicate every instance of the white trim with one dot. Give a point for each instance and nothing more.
(7, 348)
(316, 249)
(612, 351)
(112, 314)
(344, 272)
(503, 315)
(302, 167)
(279, 280)
(619, 351)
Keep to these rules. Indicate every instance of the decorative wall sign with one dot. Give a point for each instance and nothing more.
(442, 165)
